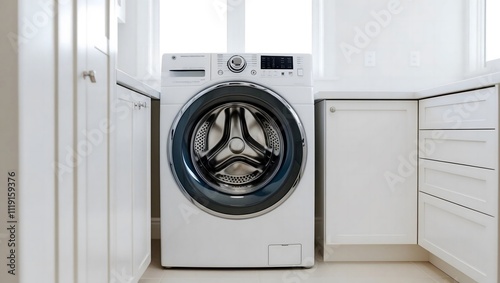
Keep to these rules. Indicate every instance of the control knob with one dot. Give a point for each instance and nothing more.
(236, 64)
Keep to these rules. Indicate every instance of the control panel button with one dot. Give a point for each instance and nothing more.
(300, 72)
(220, 72)
(253, 72)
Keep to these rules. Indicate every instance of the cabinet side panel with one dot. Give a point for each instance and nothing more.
(320, 172)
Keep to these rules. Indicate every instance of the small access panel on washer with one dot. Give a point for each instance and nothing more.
(237, 160)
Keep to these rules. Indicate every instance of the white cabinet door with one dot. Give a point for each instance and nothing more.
(121, 229)
(141, 184)
(370, 172)
(93, 146)
(92, 140)
(464, 238)
(130, 197)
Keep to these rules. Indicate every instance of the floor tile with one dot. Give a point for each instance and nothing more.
(322, 272)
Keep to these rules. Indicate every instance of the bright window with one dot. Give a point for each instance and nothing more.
(200, 26)
(278, 26)
(492, 30)
(195, 26)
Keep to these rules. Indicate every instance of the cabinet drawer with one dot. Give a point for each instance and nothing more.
(473, 187)
(470, 147)
(464, 238)
(476, 109)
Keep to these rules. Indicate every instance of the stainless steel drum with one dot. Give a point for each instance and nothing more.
(237, 150)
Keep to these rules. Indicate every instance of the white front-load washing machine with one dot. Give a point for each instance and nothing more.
(237, 160)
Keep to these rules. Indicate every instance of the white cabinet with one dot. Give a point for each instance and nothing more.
(131, 196)
(472, 187)
(470, 147)
(366, 172)
(464, 238)
(474, 109)
(458, 181)
(92, 146)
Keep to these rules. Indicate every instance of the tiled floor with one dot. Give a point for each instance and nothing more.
(322, 272)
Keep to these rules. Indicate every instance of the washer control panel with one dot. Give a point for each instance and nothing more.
(272, 69)
(272, 66)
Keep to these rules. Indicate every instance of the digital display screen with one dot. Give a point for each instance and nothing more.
(276, 62)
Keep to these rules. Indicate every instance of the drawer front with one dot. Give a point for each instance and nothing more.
(476, 109)
(471, 147)
(464, 238)
(472, 187)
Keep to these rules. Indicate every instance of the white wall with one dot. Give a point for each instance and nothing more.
(137, 44)
(435, 30)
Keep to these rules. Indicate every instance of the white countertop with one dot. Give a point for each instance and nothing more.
(128, 81)
(378, 95)
(468, 84)
(472, 83)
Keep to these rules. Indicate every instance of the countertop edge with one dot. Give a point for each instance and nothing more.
(364, 95)
(454, 87)
(129, 82)
(459, 86)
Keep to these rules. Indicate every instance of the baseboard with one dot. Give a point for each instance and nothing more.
(155, 228)
(374, 253)
(454, 273)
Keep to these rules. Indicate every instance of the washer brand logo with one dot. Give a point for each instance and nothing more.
(372, 29)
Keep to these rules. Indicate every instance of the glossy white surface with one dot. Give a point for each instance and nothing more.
(322, 272)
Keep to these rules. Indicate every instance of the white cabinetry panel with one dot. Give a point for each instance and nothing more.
(122, 194)
(458, 181)
(475, 188)
(464, 238)
(131, 196)
(141, 204)
(370, 192)
(468, 110)
(471, 147)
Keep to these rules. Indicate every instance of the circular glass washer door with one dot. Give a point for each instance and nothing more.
(237, 150)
